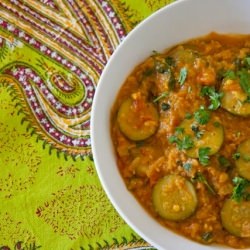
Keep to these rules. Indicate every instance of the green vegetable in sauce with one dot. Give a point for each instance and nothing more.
(174, 198)
(235, 217)
(209, 136)
(243, 162)
(236, 100)
(137, 122)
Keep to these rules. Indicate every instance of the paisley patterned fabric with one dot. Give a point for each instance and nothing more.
(52, 53)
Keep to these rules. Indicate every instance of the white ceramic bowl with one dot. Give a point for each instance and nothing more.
(177, 22)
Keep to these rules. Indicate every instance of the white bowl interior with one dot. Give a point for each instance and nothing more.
(178, 22)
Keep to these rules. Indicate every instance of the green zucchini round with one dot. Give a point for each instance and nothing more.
(137, 121)
(212, 136)
(174, 198)
(234, 100)
(243, 163)
(235, 217)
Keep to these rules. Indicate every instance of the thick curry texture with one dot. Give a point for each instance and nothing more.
(185, 112)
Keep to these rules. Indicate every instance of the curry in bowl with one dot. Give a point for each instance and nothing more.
(180, 126)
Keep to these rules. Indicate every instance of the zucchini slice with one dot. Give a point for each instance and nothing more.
(184, 54)
(235, 217)
(137, 119)
(234, 98)
(174, 198)
(243, 163)
(210, 135)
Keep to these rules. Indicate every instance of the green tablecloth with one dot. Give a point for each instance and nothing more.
(52, 53)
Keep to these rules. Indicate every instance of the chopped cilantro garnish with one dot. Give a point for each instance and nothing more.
(247, 60)
(217, 124)
(185, 143)
(202, 115)
(214, 97)
(203, 154)
(165, 66)
(162, 95)
(240, 189)
(230, 74)
(188, 116)
(236, 156)
(182, 76)
(244, 77)
(179, 130)
(171, 81)
(248, 99)
(224, 162)
(207, 236)
(241, 73)
(201, 178)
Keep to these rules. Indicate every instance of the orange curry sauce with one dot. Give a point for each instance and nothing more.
(186, 113)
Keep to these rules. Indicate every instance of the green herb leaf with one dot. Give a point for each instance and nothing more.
(247, 100)
(185, 143)
(239, 192)
(207, 236)
(188, 116)
(217, 124)
(230, 74)
(247, 60)
(236, 156)
(202, 115)
(201, 178)
(214, 97)
(173, 139)
(179, 130)
(244, 77)
(171, 81)
(224, 162)
(182, 76)
(204, 155)
(162, 95)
